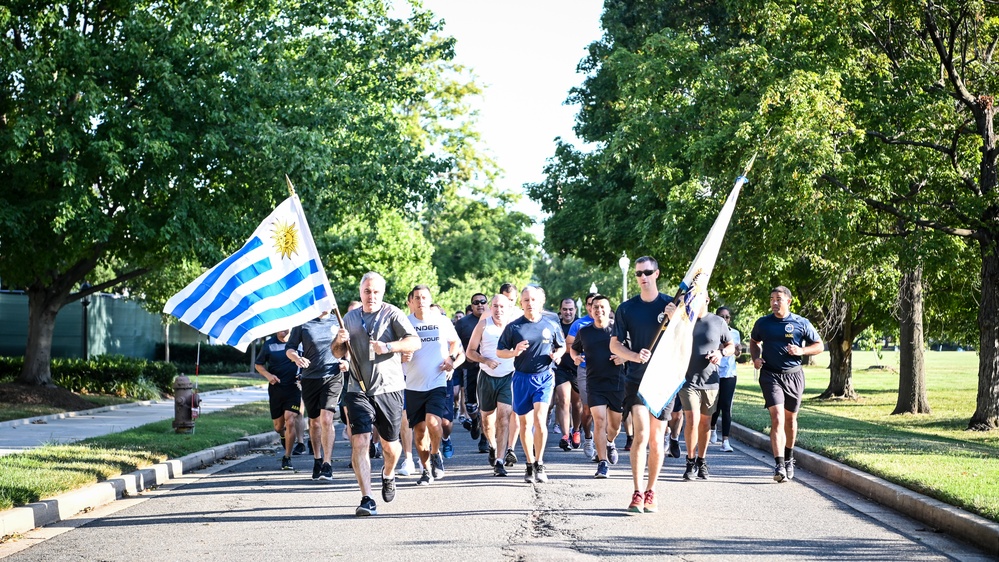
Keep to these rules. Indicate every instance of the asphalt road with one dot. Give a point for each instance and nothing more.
(250, 510)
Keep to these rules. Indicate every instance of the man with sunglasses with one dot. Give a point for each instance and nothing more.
(636, 324)
(468, 375)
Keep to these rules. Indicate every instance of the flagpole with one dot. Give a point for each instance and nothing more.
(355, 366)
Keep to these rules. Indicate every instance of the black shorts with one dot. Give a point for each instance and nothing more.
(284, 398)
(563, 376)
(632, 399)
(419, 403)
(613, 399)
(383, 411)
(321, 394)
(783, 388)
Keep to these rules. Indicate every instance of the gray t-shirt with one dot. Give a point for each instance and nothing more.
(381, 373)
(710, 333)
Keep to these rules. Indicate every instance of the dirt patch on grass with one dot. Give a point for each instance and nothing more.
(57, 397)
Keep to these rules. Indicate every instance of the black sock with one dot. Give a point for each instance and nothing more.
(788, 453)
(699, 461)
(690, 460)
(780, 460)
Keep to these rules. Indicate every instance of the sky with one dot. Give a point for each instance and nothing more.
(524, 54)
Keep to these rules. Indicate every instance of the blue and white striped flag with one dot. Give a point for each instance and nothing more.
(274, 282)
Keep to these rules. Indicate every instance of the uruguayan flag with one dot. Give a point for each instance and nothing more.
(274, 282)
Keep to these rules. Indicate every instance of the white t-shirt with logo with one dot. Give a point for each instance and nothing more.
(423, 371)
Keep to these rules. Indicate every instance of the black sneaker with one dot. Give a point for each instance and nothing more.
(286, 463)
(317, 469)
(510, 458)
(437, 466)
(366, 508)
(498, 469)
(674, 448)
(563, 444)
(327, 472)
(691, 470)
(483, 444)
(702, 471)
(425, 479)
(388, 489)
(529, 474)
(780, 473)
(539, 473)
(476, 429)
(789, 468)
(299, 449)
(492, 456)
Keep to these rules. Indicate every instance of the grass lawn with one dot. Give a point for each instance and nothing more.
(225, 382)
(10, 411)
(50, 470)
(932, 454)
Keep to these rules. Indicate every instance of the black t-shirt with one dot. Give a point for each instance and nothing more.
(543, 336)
(316, 338)
(465, 327)
(566, 365)
(602, 375)
(636, 323)
(272, 355)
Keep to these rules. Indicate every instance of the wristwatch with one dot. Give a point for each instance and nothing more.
(388, 347)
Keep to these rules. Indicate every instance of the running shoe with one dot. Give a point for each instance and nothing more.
(529, 474)
(465, 422)
(702, 471)
(780, 473)
(576, 439)
(286, 463)
(588, 449)
(476, 430)
(498, 469)
(674, 448)
(366, 508)
(374, 450)
(299, 449)
(492, 456)
(637, 502)
(727, 447)
(627, 443)
(510, 458)
(789, 468)
(612, 454)
(425, 479)
(650, 501)
(327, 472)
(556, 429)
(317, 469)
(388, 489)
(691, 470)
(563, 443)
(406, 467)
(437, 466)
(539, 473)
(714, 436)
(602, 469)
(447, 449)
(483, 444)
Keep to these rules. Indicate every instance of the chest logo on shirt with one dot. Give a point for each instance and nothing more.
(546, 335)
(789, 328)
(660, 317)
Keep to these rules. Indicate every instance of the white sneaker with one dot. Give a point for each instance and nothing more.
(588, 449)
(406, 467)
(557, 429)
(726, 446)
(714, 437)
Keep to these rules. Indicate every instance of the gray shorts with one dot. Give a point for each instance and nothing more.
(698, 399)
(492, 391)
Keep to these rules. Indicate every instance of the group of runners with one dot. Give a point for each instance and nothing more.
(509, 362)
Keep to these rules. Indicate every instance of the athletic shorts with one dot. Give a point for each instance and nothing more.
(458, 378)
(698, 399)
(284, 398)
(677, 404)
(562, 377)
(632, 399)
(613, 399)
(383, 411)
(783, 388)
(449, 392)
(494, 391)
(529, 389)
(581, 384)
(420, 403)
(321, 394)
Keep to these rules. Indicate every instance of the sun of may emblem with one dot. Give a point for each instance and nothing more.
(285, 238)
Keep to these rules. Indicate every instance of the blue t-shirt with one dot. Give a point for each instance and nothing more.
(272, 355)
(574, 329)
(775, 334)
(636, 323)
(544, 336)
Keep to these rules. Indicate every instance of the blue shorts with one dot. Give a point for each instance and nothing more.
(529, 389)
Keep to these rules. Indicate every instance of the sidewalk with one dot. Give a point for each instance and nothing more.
(20, 435)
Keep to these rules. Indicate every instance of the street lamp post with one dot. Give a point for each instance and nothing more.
(85, 301)
(624, 264)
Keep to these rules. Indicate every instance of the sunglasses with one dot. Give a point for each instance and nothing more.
(726, 316)
(645, 272)
(480, 302)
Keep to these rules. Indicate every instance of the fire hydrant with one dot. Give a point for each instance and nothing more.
(186, 405)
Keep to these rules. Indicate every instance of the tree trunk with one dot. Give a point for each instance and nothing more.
(986, 416)
(43, 306)
(841, 359)
(912, 373)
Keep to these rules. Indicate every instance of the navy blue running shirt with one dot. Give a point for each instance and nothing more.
(775, 334)
(636, 323)
(545, 336)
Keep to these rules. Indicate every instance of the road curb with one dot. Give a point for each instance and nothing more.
(954, 521)
(22, 519)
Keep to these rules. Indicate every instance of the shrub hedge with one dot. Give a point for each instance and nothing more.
(105, 374)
